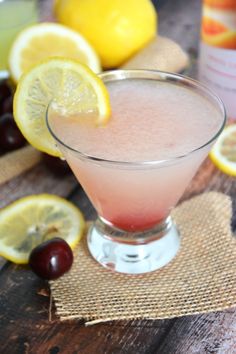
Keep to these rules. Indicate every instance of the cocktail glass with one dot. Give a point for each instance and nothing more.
(15, 15)
(134, 232)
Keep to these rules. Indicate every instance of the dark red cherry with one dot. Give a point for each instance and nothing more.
(7, 105)
(51, 259)
(5, 90)
(10, 136)
(55, 165)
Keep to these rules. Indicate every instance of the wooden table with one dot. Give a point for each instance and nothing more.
(25, 324)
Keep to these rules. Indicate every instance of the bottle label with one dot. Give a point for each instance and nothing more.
(217, 69)
(217, 62)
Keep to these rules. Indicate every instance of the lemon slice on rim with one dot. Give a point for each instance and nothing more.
(223, 153)
(32, 220)
(72, 85)
(44, 40)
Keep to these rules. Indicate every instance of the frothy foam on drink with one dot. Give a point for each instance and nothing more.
(150, 120)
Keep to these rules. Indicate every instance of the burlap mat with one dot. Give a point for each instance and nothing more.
(16, 162)
(200, 279)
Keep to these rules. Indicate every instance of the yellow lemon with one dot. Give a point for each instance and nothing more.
(71, 84)
(223, 153)
(116, 28)
(45, 40)
(32, 220)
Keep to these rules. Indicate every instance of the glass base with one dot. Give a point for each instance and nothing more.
(133, 253)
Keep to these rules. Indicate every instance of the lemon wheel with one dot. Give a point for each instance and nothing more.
(223, 153)
(32, 220)
(71, 84)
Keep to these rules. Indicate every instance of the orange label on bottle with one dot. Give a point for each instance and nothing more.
(217, 60)
(219, 23)
(221, 4)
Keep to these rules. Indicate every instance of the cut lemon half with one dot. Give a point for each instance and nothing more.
(32, 220)
(71, 85)
(223, 153)
(44, 40)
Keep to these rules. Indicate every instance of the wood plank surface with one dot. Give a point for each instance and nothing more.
(28, 323)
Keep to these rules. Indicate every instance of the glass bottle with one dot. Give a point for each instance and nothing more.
(217, 61)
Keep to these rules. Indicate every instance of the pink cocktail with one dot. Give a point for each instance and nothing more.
(136, 168)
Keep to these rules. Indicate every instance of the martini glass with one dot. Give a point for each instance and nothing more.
(134, 232)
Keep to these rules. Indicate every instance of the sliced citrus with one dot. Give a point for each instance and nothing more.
(44, 40)
(223, 153)
(29, 221)
(70, 84)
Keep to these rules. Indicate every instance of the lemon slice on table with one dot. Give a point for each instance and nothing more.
(32, 220)
(223, 153)
(44, 40)
(72, 85)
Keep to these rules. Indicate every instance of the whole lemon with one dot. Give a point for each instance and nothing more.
(116, 28)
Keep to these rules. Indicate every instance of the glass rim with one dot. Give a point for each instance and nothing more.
(26, 18)
(148, 74)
